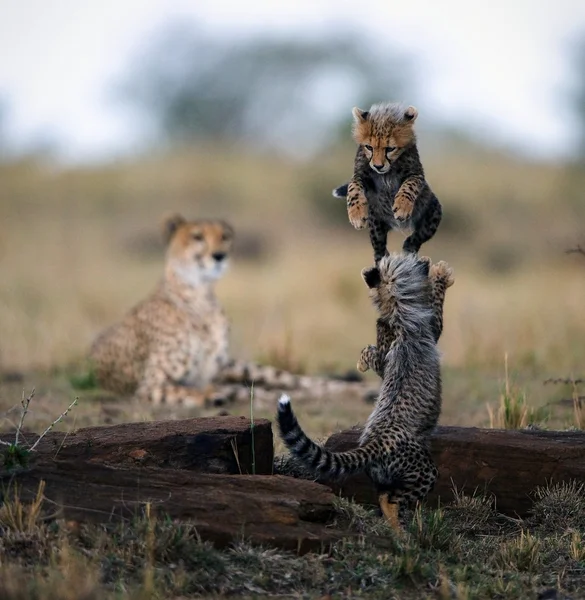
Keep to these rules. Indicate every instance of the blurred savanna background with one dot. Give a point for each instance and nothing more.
(114, 115)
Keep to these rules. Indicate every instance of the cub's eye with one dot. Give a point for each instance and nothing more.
(368, 148)
(197, 236)
(226, 237)
(390, 149)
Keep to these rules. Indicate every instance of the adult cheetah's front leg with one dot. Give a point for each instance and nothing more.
(158, 387)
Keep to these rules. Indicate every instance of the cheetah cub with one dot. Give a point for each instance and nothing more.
(374, 357)
(388, 189)
(394, 446)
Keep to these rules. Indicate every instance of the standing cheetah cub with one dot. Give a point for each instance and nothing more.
(374, 357)
(388, 189)
(394, 446)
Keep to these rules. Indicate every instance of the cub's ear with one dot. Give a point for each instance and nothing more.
(170, 225)
(371, 276)
(410, 114)
(359, 115)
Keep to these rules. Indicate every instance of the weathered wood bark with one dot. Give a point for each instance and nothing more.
(507, 464)
(273, 510)
(204, 445)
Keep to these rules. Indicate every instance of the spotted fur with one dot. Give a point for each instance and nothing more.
(393, 448)
(388, 189)
(173, 347)
(374, 357)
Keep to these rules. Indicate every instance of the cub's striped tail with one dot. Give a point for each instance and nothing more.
(332, 465)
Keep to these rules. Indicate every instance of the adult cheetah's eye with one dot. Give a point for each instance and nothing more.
(368, 148)
(390, 149)
(198, 236)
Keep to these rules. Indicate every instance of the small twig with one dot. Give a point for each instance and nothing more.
(252, 429)
(576, 250)
(5, 443)
(25, 403)
(564, 380)
(57, 420)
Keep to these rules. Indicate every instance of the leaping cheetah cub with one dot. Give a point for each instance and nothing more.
(394, 446)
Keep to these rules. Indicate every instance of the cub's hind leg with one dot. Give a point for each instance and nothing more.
(408, 477)
(424, 228)
(378, 238)
(416, 473)
(390, 511)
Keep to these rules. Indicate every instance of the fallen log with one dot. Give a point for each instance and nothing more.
(272, 510)
(506, 464)
(204, 445)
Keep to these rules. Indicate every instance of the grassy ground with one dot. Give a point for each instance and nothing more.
(460, 551)
(79, 247)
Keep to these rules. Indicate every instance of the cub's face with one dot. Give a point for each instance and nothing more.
(384, 134)
(398, 278)
(198, 251)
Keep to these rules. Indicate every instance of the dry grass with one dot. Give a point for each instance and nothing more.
(79, 247)
(444, 553)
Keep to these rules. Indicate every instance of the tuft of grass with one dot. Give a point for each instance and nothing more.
(520, 554)
(577, 547)
(20, 517)
(512, 411)
(432, 531)
(469, 514)
(359, 518)
(84, 381)
(559, 506)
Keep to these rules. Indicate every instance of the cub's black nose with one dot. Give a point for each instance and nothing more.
(219, 256)
(379, 167)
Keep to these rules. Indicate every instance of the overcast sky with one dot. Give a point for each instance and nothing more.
(498, 66)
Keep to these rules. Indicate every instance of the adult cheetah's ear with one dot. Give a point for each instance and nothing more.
(410, 114)
(359, 115)
(170, 224)
(371, 276)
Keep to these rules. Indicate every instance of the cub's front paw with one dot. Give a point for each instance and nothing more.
(363, 364)
(402, 208)
(357, 210)
(441, 272)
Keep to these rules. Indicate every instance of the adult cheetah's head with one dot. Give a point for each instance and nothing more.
(399, 279)
(384, 132)
(197, 251)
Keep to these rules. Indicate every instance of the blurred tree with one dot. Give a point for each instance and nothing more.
(284, 93)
